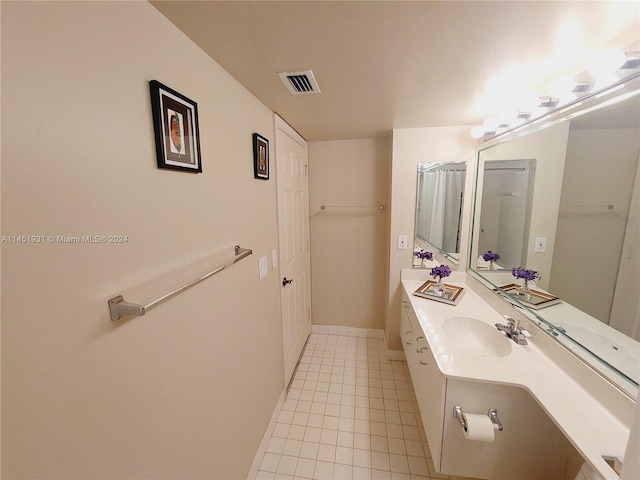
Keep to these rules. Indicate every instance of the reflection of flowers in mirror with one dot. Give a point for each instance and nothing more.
(490, 256)
(525, 274)
(422, 254)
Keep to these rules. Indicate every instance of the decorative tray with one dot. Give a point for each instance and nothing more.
(450, 296)
(536, 300)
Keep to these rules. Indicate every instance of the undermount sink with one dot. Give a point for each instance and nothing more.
(477, 337)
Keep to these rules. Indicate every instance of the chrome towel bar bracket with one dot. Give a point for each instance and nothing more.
(119, 307)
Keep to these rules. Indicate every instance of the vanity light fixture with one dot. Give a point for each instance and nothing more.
(607, 62)
(605, 69)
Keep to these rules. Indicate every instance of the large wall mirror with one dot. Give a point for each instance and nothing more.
(562, 198)
(440, 196)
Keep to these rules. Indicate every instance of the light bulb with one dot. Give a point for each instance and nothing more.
(603, 81)
(607, 62)
(561, 86)
(507, 117)
(477, 132)
(527, 102)
(491, 124)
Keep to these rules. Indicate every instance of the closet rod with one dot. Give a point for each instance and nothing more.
(587, 209)
(119, 307)
(379, 208)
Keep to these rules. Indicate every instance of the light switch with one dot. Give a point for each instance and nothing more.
(264, 268)
(402, 242)
(541, 245)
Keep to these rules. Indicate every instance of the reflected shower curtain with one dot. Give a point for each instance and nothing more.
(440, 207)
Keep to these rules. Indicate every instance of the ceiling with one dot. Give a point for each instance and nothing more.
(382, 65)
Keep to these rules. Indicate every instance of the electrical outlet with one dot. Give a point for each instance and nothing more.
(402, 242)
(541, 245)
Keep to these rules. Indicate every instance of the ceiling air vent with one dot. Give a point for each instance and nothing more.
(300, 83)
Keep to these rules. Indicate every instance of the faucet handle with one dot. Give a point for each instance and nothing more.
(512, 323)
(524, 332)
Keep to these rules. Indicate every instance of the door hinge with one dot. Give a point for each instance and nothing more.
(306, 169)
(309, 315)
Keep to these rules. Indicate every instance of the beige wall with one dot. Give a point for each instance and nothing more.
(410, 147)
(349, 246)
(187, 390)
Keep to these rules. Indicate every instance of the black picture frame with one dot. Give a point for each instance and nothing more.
(175, 123)
(260, 157)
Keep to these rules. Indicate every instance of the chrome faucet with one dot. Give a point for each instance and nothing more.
(514, 331)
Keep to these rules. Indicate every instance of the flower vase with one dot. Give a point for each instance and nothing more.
(491, 265)
(524, 291)
(424, 263)
(438, 289)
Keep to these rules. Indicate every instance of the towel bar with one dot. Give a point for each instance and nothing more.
(119, 307)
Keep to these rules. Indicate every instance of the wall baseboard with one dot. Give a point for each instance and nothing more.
(348, 331)
(396, 355)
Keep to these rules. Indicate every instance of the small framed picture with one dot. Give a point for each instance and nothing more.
(260, 157)
(175, 122)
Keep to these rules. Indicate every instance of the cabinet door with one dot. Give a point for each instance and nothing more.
(431, 399)
(428, 381)
(409, 331)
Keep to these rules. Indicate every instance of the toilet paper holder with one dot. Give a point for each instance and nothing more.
(492, 414)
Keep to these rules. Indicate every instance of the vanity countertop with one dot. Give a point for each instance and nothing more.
(590, 427)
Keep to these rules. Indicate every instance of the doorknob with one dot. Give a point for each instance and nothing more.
(285, 281)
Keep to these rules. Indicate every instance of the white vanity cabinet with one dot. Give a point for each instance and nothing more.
(529, 448)
(428, 381)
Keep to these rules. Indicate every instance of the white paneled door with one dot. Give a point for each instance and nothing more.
(293, 230)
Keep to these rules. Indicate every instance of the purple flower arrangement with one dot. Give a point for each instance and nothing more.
(490, 256)
(440, 271)
(422, 254)
(528, 275)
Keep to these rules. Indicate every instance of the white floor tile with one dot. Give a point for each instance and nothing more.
(270, 462)
(323, 471)
(312, 434)
(345, 439)
(287, 465)
(305, 468)
(309, 450)
(276, 445)
(327, 453)
(344, 455)
(343, 472)
(292, 448)
(296, 432)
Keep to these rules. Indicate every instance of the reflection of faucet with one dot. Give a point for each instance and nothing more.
(514, 331)
(553, 330)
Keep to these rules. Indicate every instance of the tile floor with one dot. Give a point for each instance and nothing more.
(349, 414)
